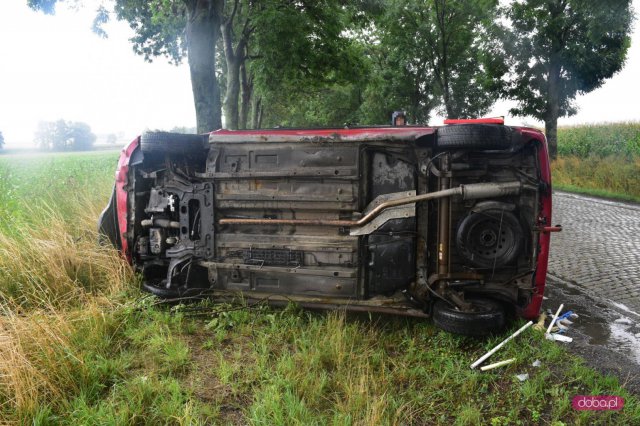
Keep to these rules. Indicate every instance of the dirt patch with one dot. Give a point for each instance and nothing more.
(203, 379)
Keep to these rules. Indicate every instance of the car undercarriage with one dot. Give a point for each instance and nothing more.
(450, 222)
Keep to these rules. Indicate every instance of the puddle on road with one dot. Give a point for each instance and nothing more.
(626, 337)
(593, 327)
(603, 326)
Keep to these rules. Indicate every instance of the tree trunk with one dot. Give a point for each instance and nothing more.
(245, 101)
(234, 59)
(232, 94)
(553, 107)
(256, 112)
(202, 35)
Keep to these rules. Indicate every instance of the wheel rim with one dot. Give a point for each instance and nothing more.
(490, 239)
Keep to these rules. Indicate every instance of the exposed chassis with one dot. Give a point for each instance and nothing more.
(394, 220)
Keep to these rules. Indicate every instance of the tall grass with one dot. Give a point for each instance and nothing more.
(80, 345)
(600, 140)
(611, 176)
(49, 254)
(56, 282)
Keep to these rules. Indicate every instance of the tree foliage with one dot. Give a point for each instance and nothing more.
(331, 62)
(64, 135)
(1, 140)
(557, 49)
(435, 47)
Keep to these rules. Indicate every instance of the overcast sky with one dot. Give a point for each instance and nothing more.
(54, 67)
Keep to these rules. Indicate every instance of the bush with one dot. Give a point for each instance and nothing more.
(613, 176)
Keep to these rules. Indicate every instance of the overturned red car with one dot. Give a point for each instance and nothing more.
(447, 222)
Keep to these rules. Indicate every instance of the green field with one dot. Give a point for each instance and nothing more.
(600, 159)
(79, 344)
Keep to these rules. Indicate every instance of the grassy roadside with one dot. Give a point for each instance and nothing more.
(600, 193)
(601, 160)
(79, 344)
(610, 177)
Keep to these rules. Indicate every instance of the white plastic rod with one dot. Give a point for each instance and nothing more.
(492, 351)
(555, 317)
(497, 364)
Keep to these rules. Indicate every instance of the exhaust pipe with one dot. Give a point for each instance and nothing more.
(472, 191)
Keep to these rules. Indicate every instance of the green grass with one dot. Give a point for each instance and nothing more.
(81, 345)
(600, 193)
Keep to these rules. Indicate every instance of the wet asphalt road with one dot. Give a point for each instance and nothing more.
(594, 269)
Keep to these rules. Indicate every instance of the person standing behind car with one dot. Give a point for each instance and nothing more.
(399, 118)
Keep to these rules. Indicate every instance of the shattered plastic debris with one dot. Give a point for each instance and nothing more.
(501, 344)
(558, 337)
(559, 325)
(497, 364)
(536, 363)
(522, 377)
(555, 318)
(565, 315)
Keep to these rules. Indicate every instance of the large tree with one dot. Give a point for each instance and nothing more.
(1, 140)
(557, 49)
(176, 29)
(301, 41)
(173, 29)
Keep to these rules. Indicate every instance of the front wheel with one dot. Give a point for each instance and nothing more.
(486, 316)
(172, 143)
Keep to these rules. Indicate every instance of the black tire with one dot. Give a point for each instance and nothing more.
(475, 136)
(174, 293)
(489, 317)
(172, 143)
(490, 239)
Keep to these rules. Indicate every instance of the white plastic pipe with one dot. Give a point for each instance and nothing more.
(492, 351)
(497, 364)
(555, 317)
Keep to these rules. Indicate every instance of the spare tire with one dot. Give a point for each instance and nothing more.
(475, 136)
(172, 143)
(490, 238)
(487, 317)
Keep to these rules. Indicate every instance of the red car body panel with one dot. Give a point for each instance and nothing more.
(533, 309)
(122, 195)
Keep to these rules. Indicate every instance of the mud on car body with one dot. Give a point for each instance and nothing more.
(446, 222)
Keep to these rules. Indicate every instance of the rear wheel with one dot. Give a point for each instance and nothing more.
(172, 143)
(487, 316)
(475, 136)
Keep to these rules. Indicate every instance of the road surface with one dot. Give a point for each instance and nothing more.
(599, 248)
(594, 269)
